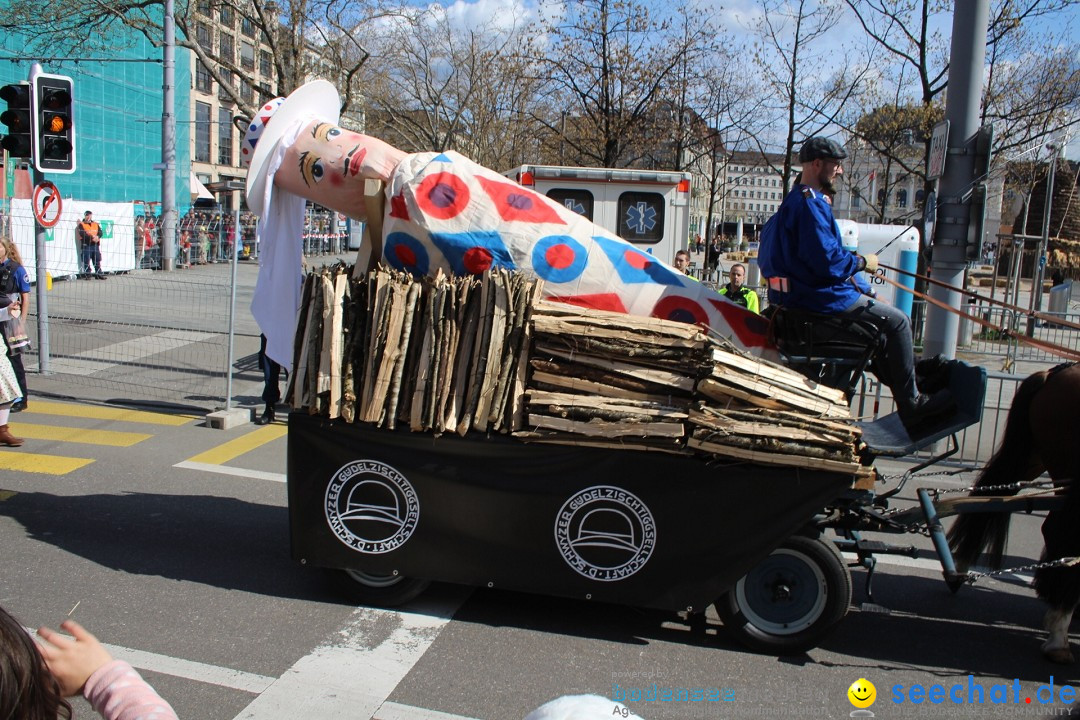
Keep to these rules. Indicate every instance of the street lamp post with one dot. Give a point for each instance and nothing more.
(1040, 261)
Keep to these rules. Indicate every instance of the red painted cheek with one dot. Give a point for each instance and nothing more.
(336, 180)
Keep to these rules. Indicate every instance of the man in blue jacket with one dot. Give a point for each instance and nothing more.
(808, 268)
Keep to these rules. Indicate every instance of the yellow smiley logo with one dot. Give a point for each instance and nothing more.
(862, 693)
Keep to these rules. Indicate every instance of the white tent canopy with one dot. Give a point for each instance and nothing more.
(198, 190)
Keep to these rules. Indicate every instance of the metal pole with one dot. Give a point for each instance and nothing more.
(966, 61)
(232, 324)
(168, 142)
(232, 301)
(1039, 271)
(41, 266)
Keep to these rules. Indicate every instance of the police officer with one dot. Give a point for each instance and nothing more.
(808, 268)
(737, 292)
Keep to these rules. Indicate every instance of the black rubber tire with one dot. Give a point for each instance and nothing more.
(377, 590)
(791, 599)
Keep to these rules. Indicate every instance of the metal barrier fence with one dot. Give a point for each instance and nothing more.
(151, 336)
(207, 236)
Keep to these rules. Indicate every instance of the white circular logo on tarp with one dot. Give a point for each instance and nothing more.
(371, 507)
(605, 533)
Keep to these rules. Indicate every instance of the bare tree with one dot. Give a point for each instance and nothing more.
(1032, 80)
(808, 74)
(728, 105)
(306, 38)
(434, 84)
(606, 63)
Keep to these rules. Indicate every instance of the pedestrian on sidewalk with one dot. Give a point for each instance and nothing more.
(9, 386)
(15, 284)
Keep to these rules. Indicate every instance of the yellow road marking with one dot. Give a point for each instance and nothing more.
(96, 412)
(235, 448)
(112, 438)
(45, 464)
(5, 494)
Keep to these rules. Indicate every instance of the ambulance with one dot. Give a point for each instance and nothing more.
(649, 208)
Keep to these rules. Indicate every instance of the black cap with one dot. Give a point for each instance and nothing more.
(819, 147)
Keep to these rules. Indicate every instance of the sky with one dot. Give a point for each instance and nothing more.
(732, 14)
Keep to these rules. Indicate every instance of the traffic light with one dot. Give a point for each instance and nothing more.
(19, 137)
(54, 126)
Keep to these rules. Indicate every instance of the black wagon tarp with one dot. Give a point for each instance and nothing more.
(626, 526)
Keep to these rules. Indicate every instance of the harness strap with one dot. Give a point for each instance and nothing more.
(779, 284)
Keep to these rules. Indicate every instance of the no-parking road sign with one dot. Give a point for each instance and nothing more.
(47, 204)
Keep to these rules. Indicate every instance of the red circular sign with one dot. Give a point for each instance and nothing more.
(47, 204)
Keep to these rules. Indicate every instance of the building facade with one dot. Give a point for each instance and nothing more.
(215, 140)
(753, 190)
(117, 118)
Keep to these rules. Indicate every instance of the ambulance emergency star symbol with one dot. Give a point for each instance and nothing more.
(641, 217)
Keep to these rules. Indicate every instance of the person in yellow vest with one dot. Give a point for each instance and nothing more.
(737, 292)
(90, 240)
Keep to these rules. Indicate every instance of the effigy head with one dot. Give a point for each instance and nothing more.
(298, 142)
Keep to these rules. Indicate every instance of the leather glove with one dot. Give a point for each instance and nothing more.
(869, 263)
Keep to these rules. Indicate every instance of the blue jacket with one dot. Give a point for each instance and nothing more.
(802, 243)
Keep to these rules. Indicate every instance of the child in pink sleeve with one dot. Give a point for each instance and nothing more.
(35, 678)
(117, 692)
(114, 689)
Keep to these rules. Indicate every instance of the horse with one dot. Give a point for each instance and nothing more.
(1041, 435)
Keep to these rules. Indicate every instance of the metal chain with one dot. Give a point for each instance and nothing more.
(971, 576)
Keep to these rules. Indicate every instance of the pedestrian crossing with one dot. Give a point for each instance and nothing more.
(61, 427)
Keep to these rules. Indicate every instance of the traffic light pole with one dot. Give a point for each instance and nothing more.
(41, 294)
(169, 210)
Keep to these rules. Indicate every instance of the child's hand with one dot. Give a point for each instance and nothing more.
(72, 660)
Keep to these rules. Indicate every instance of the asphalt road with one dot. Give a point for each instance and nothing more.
(175, 550)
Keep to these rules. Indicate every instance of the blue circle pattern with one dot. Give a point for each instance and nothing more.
(396, 239)
(545, 270)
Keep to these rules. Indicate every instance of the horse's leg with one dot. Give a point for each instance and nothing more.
(1060, 586)
(1055, 414)
(1056, 648)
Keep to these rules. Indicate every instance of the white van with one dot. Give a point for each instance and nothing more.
(650, 208)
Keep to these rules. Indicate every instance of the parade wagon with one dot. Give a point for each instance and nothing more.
(725, 491)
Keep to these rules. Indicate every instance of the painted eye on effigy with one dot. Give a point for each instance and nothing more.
(325, 132)
(311, 168)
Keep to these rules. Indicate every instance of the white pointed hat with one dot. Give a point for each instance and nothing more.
(317, 100)
(580, 707)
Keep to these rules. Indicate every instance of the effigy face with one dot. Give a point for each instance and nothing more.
(328, 165)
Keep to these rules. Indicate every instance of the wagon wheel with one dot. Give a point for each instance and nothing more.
(791, 599)
(379, 590)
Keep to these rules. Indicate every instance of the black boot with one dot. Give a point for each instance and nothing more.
(921, 410)
(267, 417)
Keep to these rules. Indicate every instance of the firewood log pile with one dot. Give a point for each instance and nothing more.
(487, 354)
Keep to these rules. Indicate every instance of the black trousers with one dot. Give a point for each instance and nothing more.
(271, 374)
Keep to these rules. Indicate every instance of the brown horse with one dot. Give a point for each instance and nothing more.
(1042, 434)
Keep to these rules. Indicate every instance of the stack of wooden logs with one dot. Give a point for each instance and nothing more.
(487, 354)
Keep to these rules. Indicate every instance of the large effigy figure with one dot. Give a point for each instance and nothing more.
(441, 211)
